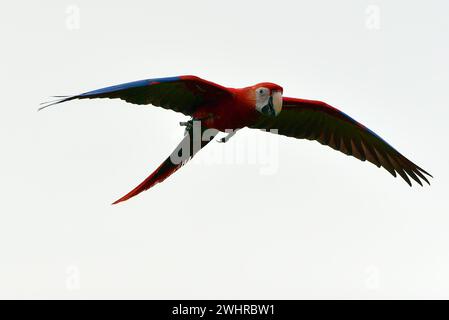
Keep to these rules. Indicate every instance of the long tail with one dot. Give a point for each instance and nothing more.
(189, 146)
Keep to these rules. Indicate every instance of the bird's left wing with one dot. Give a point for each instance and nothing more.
(193, 141)
(181, 94)
(316, 120)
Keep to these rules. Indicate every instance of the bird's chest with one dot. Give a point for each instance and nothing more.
(222, 117)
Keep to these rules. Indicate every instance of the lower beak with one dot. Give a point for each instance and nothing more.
(268, 109)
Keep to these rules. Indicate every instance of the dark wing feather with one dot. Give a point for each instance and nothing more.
(181, 94)
(316, 120)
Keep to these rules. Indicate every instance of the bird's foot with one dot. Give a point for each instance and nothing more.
(188, 125)
(184, 123)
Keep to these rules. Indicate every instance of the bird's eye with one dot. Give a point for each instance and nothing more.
(261, 91)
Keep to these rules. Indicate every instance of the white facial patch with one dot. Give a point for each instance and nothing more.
(262, 98)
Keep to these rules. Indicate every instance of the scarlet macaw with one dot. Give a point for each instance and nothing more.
(260, 106)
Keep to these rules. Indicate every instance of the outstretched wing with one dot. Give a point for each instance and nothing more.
(189, 146)
(316, 120)
(181, 94)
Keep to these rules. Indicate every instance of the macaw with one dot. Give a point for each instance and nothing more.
(215, 108)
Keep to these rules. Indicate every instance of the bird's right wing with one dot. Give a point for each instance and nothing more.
(316, 120)
(181, 94)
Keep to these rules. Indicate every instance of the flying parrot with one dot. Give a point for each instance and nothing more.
(213, 108)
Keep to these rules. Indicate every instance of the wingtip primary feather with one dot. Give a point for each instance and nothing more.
(124, 198)
(116, 202)
(60, 99)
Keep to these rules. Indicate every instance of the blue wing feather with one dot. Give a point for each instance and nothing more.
(110, 89)
(129, 85)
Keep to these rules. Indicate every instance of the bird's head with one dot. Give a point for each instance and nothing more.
(268, 98)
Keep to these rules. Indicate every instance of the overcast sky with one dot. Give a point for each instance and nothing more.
(259, 217)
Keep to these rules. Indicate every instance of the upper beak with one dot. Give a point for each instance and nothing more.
(277, 102)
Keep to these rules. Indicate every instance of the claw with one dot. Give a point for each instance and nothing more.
(227, 137)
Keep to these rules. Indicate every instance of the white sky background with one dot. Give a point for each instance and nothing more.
(322, 226)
